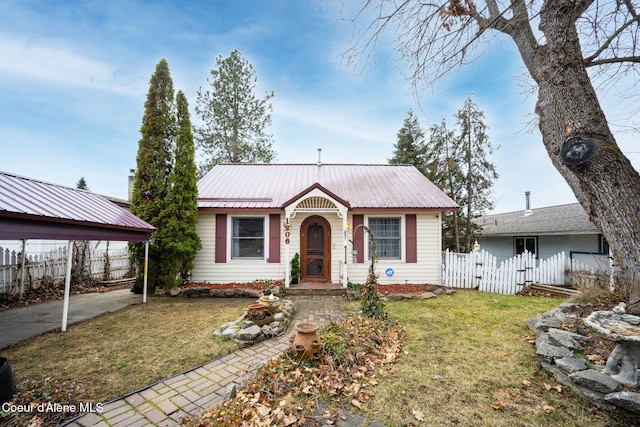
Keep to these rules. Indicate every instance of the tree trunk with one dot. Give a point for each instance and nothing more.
(607, 186)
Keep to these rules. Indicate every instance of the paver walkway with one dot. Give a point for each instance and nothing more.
(167, 402)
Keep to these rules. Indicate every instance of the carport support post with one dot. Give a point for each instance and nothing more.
(22, 267)
(146, 270)
(67, 287)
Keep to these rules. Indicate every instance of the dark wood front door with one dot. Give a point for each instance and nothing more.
(315, 263)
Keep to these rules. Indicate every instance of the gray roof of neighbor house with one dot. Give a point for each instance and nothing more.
(551, 220)
(32, 209)
(271, 186)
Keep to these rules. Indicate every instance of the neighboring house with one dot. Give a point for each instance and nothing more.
(253, 218)
(544, 231)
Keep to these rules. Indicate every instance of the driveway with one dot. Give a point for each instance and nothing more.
(20, 323)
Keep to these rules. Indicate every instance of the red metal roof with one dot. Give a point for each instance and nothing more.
(271, 186)
(35, 209)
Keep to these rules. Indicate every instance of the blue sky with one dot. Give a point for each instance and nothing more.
(74, 77)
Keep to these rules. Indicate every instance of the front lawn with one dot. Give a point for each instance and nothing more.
(109, 356)
(468, 360)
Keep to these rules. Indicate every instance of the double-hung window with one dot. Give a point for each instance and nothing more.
(386, 231)
(247, 240)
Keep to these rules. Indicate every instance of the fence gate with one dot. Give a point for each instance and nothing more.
(479, 270)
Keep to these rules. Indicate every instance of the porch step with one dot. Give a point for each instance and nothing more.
(315, 289)
(312, 292)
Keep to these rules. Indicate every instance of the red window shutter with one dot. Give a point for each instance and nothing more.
(411, 238)
(221, 238)
(274, 238)
(358, 238)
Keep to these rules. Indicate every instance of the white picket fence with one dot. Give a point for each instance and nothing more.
(479, 270)
(52, 265)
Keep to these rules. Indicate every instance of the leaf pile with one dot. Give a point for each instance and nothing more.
(288, 391)
(44, 393)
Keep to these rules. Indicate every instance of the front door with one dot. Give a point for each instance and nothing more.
(315, 242)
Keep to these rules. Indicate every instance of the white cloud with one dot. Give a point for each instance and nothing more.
(51, 62)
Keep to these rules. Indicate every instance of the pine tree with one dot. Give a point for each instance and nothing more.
(234, 119)
(178, 238)
(410, 147)
(154, 163)
(82, 184)
(480, 173)
(444, 158)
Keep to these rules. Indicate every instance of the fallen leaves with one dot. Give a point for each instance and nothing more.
(358, 350)
(418, 415)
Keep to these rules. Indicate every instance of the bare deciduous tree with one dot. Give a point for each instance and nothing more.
(566, 46)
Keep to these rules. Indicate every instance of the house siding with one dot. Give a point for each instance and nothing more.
(502, 247)
(208, 271)
(426, 269)
(428, 265)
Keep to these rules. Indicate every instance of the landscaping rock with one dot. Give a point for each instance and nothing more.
(566, 307)
(571, 364)
(595, 380)
(428, 295)
(566, 339)
(542, 324)
(246, 333)
(249, 334)
(545, 349)
(174, 292)
(625, 399)
(229, 332)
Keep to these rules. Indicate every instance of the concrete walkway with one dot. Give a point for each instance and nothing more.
(21, 323)
(167, 402)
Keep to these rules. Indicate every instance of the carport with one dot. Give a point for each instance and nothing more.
(33, 209)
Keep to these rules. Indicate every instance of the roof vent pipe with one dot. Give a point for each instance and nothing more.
(527, 197)
(319, 156)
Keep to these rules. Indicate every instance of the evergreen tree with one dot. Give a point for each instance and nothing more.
(82, 184)
(410, 147)
(480, 173)
(178, 239)
(234, 119)
(444, 158)
(154, 164)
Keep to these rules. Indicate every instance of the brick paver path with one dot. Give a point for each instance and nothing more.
(189, 393)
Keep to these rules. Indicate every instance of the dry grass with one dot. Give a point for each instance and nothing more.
(120, 352)
(468, 361)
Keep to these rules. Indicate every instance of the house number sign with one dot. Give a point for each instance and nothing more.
(287, 233)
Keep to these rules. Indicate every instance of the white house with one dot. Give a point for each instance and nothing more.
(253, 218)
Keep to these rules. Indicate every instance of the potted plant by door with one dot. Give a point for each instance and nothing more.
(295, 269)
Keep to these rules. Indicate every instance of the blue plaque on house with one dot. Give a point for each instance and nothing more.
(389, 272)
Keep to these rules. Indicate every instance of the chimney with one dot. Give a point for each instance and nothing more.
(527, 197)
(319, 156)
(132, 175)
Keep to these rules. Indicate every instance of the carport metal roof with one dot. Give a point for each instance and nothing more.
(32, 209)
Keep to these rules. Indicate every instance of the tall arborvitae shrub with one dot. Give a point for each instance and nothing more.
(153, 166)
(178, 237)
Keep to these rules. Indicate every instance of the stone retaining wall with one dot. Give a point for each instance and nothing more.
(556, 348)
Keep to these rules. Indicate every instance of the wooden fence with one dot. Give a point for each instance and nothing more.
(52, 266)
(479, 270)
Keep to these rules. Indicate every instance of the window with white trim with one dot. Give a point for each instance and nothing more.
(247, 238)
(387, 233)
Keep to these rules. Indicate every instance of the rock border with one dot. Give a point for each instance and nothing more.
(246, 333)
(555, 349)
